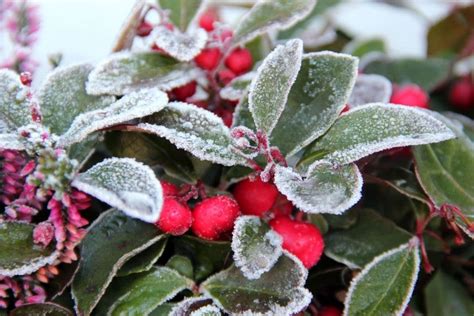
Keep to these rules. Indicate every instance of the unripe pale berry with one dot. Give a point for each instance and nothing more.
(207, 20)
(239, 61)
(169, 189)
(209, 58)
(176, 218)
(184, 92)
(255, 197)
(461, 95)
(410, 95)
(329, 311)
(301, 239)
(214, 216)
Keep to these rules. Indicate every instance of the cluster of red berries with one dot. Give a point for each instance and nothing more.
(461, 95)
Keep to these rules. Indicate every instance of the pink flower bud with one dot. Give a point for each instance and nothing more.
(43, 233)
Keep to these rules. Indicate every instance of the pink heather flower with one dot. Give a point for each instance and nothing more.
(43, 233)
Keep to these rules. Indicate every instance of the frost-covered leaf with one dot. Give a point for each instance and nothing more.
(140, 294)
(19, 255)
(134, 105)
(208, 310)
(269, 15)
(316, 99)
(123, 73)
(256, 246)
(186, 306)
(375, 127)
(327, 189)
(466, 123)
(128, 31)
(182, 46)
(126, 184)
(237, 88)
(63, 97)
(181, 12)
(269, 89)
(195, 130)
(361, 243)
(11, 141)
(279, 291)
(445, 171)
(385, 285)
(145, 260)
(122, 237)
(41, 309)
(14, 104)
(370, 89)
(242, 115)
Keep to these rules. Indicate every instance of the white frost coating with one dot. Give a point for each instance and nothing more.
(412, 243)
(14, 104)
(370, 89)
(130, 186)
(312, 195)
(182, 46)
(256, 252)
(32, 266)
(268, 91)
(198, 131)
(183, 307)
(132, 106)
(10, 141)
(236, 89)
(208, 310)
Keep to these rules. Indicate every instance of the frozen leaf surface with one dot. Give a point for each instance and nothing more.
(189, 304)
(316, 99)
(195, 130)
(132, 106)
(256, 247)
(370, 89)
(130, 186)
(375, 127)
(269, 15)
(242, 114)
(208, 310)
(327, 189)
(10, 141)
(385, 285)
(43, 309)
(123, 73)
(279, 291)
(269, 89)
(181, 12)
(63, 97)
(14, 105)
(19, 255)
(182, 46)
(237, 88)
(145, 261)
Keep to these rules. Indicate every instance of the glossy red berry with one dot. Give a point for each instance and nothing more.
(176, 218)
(282, 207)
(184, 92)
(239, 61)
(169, 189)
(410, 95)
(209, 58)
(214, 216)
(461, 95)
(255, 197)
(144, 29)
(207, 20)
(226, 76)
(330, 311)
(301, 239)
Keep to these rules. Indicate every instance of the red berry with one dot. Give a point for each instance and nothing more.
(175, 218)
(329, 311)
(226, 76)
(169, 189)
(410, 95)
(184, 92)
(282, 206)
(226, 115)
(215, 216)
(461, 95)
(207, 19)
(255, 197)
(239, 61)
(301, 239)
(209, 58)
(144, 29)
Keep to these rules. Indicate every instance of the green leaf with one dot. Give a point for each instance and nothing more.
(365, 47)
(242, 114)
(19, 255)
(326, 189)
(371, 236)
(270, 15)
(269, 89)
(63, 97)
(374, 127)
(41, 309)
(385, 285)
(445, 172)
(279, 291)
(14, 104)
(123, 73)
(445, 296)
(11, 141)
(195, 130)
(466, 122)
(370, 89)
(132, 106)
(140, 294)
(145, 260)
(130, 186)
(163, 309)
(427, 73)
(256, 246)
(181, 12)
(188, 305)
(319, 94)
(122, 237)
(182, 46)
